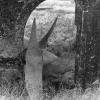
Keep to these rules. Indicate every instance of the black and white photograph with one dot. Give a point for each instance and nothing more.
(49, 50)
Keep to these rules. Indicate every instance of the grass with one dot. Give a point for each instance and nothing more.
(77, 95)
(74, 94)
(92, 93)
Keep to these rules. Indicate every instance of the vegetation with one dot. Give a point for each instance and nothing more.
(13, 18)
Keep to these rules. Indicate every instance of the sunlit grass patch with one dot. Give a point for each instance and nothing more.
(64, 94)
(76, 94)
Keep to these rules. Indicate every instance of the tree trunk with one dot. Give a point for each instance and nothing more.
(87, 59)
